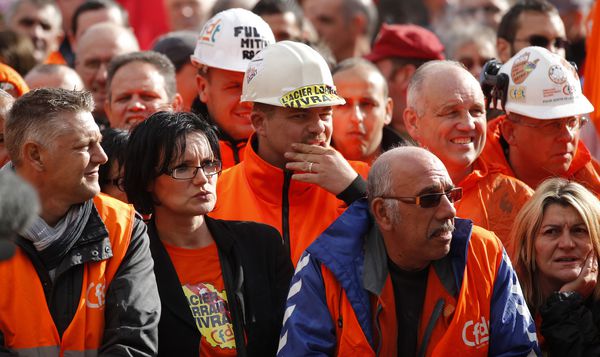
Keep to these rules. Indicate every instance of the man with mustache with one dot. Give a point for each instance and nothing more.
(291, 178)
(417, 281)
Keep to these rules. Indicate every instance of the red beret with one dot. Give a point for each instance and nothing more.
(406, 41)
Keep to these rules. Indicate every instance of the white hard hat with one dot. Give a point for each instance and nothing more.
(290, 74)
(230, 39)
(543, 85)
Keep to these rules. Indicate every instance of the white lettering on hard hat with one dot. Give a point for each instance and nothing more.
(308, 96)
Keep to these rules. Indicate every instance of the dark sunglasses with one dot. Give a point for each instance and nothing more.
(430, 200)
(543, 41)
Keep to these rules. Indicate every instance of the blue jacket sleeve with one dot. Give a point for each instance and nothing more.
(512, 329)
(308, 329)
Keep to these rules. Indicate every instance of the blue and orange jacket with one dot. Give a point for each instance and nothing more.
(341, 299)
(584, 169)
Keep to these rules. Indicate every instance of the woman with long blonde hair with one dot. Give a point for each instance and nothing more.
(556, 240)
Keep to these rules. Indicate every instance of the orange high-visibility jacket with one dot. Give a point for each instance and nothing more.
(491, 199)
(341, 300)
(25, 320)
(584, 169)
(230, 155)
(256, 191)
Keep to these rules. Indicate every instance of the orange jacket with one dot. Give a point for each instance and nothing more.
(231, 154)
(491, 199)
(584, 169)
(55, 58)
(341, 299)
(257, 191)
(25, 320)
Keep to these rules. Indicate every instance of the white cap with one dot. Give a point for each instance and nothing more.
(290, 74)
(543, 85)
(230, 39)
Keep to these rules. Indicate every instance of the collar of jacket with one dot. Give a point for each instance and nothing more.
(267, 180)
(92, 246)
(201, 110)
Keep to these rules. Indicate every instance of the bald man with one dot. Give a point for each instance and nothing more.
(446, 115)
(95, 48)
(360, 131)
(53, 76)
(464, 294)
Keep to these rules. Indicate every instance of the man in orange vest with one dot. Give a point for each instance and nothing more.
(227, 42)
(291, 178)
(81, 280)
(545, 109)
(415, 282)
(446, 115)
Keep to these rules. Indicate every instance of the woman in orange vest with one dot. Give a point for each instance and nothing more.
(222, 283)
(557, 241)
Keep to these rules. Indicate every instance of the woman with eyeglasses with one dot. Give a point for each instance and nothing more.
(222, 284)
(557, 240)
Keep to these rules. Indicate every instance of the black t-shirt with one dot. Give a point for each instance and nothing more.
(409, 295)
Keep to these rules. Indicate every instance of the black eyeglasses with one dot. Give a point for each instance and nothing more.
(209, 168)
(119, 182)
(543, 41)
(429, 200)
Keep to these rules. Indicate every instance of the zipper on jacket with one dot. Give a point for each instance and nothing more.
(285, 211)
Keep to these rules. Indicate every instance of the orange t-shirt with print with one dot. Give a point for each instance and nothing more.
(201, 278)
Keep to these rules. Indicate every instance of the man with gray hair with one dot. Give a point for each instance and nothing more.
(139, 84)
(349, 292)
(81, 281)
(53, 76)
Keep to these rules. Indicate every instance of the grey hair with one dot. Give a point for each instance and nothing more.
(367, 8)
(37, 116)
(380, 182)
(12, 10)
(414, 92)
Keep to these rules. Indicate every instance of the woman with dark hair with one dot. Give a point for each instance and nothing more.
(556, 237)
(114, 144)
(222, 284)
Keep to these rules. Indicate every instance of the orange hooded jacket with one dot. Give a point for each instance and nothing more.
(491, 199)
(584, 169)
(256, 191)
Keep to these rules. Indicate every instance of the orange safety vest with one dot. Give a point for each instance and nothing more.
(463, 327)
(253, 191)
(491, 199)
(25, 319)
(55, 58)
(584, 169)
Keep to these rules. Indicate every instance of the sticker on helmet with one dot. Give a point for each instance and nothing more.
(254, 67)
(210, 32)
(557, 74)
(308, 96)
(551, 92)
(251, 41)
(517, 93)
(522, 68)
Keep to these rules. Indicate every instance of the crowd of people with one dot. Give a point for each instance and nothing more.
(298, 178)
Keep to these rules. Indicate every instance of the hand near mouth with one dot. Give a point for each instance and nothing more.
(586, 281)
(323, 166)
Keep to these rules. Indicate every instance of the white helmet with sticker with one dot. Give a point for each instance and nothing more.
(290, 74)
(230, 39)
(543, 85)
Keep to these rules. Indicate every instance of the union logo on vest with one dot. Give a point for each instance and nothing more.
(476, 333)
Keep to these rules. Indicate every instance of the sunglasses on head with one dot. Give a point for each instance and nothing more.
(429, 200)
(543, 41)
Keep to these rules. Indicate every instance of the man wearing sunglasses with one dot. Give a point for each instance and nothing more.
(446, 115)
(539, 136)
(531, 23)
(417, 281)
